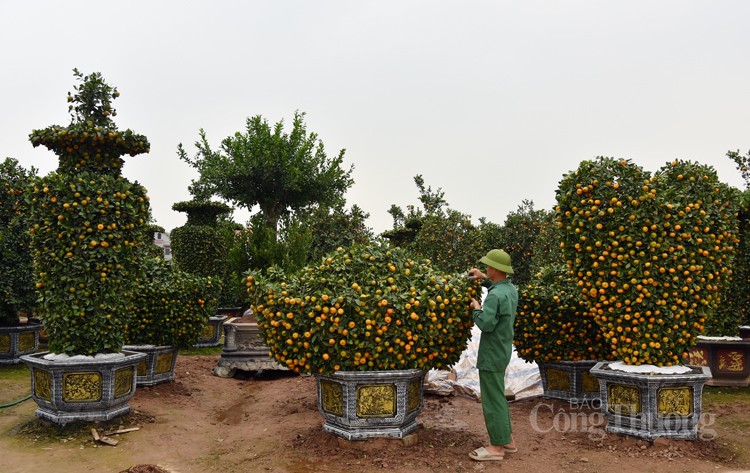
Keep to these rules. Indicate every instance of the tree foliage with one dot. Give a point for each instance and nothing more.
(201, 247)
(366, 307)
(280, 172)
(650, 253)
(89, 225)
(17, 293)
(170, 307)
(519, 236)
(554, 323)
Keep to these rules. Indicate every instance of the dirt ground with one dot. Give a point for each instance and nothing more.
(269, 422)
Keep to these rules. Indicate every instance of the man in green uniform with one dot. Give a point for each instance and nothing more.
(495, 319)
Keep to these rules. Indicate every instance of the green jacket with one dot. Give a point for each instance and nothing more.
(495, 319)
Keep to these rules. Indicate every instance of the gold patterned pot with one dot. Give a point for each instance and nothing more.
(729, 360)
(570, 381)
(18, 340)
(211, 335)
(647, 405)
(158, 366)
(359, 405)
(87, 389)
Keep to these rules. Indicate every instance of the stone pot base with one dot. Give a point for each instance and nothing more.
(729, 361)
(650, 406)
(359, 405)
(570, 381)
(157, 367)
(211, 336)
(17, 341)
(243, 350)
(88, 390)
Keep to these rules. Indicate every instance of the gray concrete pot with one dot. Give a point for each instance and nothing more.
(358, 405)
(211, 336)
(243, 350)
(82, 390)
(158, 366)
(570, 381)
(649, 406)
(18, 340)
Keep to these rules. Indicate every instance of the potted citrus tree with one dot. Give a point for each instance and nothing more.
(87, 240)
(201, 247)
(367, 321)
(555, 329)
(18, 335)
(725, 345)
(169, 311)
(650, 254)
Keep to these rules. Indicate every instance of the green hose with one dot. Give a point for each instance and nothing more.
(3, 406)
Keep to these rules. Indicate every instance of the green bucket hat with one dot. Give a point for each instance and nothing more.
(499, 260)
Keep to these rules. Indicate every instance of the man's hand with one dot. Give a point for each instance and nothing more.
(475, 304)
(475, 273)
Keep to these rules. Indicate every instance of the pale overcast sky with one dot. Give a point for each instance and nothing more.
(493, 101)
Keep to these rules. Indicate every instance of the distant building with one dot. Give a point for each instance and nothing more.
(161, 239)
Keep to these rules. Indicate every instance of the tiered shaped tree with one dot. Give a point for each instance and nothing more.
(89, 224)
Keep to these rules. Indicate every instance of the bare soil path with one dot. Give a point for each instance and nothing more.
(270, 423)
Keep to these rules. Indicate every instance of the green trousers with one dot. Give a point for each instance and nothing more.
(495, 406)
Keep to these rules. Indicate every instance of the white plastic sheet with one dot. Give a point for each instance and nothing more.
(521, 378)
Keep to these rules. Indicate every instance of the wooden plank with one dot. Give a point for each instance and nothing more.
(122, 431)
(108, 441)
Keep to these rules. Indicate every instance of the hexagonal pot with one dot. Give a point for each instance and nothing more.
(82, 389)
(244, 349)
(358, 405)
(158, 366)
(211, 336)
(18, 340)
(649, 406)
(570, 381)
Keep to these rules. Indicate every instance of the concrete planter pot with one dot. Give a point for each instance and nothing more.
(18, 340)
(649, 406)
(243, 349)
(82, 390)
(358, 405)
(157, 367)
(570, 381)
(211, 336)
(729, 360)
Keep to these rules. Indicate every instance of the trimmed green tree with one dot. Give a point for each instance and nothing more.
(170, 307)
(17, 293)
(650, 253)
(264, 166)
(201, 246)
(735, 307)
(89, 223)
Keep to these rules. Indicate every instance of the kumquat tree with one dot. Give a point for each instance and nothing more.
(553, 322)
(650, 253)
(367, 307)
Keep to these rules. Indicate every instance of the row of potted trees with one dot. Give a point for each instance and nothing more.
(647, 256)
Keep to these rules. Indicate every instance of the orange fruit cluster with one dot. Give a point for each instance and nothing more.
(554, 324)
(368, 307)
(650, 253)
